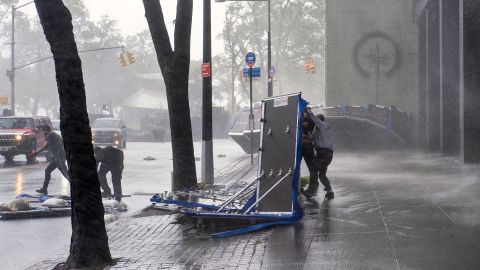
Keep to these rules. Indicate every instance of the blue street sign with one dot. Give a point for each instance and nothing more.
(250, 59)
(255, 72)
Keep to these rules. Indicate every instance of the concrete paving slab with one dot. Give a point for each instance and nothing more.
(416, 216)
(445, 248)
(370, 250)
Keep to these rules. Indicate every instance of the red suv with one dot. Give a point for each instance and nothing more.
(21, 136)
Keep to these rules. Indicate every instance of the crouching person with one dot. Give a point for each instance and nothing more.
(110, 160)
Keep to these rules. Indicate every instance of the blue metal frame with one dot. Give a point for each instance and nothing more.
(274, 219)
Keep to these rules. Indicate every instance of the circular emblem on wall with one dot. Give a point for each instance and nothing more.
(376, 53)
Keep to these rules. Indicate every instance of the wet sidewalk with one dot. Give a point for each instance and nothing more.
(392, 210)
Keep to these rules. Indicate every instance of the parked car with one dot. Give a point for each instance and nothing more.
(21, 136)
(109, 132)
(56, 126)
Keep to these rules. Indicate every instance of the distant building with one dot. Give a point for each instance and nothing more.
(371, 53)
(143, 104)
(146, 110)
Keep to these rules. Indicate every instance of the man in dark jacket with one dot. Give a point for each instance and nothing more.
(322, 141)
(308, 153)
(110, 160)
(54, 144)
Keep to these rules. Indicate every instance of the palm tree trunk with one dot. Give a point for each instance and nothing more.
(175, 67)
(89, 241)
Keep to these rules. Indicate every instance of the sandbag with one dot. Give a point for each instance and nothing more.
(109, 218)
(15, 205)
(114, 204)
(54, 202)
(110, 203)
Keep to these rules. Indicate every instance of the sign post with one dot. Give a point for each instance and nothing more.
(250, 59)
(207, 173)
(256, 72)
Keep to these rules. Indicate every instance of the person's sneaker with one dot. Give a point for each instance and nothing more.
(309, 193)
(330, 195)
(305, 193)
(42, 191)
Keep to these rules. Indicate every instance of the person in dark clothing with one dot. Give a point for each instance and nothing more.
(321, 143)
(54, 144)
(308, 153)
(110, 160)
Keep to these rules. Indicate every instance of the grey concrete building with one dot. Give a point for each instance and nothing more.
(449, 61)
(371, 53)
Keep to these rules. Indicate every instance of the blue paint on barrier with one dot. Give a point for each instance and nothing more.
(272, 219)
(249, 229)
(297, 213)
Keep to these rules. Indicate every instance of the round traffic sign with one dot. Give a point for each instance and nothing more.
(250, 59)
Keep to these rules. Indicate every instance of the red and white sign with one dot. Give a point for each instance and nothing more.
(206, 70)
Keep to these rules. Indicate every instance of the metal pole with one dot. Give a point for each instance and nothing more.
(270, 78)
(377, 77)
(12, 65)
(250, 118)
(207, 145)
(232, 99)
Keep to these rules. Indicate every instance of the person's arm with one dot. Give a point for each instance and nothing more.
(314, 118)
(121, 160)
(306, 139)
(41, 149)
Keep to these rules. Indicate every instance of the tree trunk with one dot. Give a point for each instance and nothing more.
(89, 241)
(175, 65)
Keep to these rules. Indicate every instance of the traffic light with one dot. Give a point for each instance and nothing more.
(309, 66)
(123, 63)
(306, 67)
(131, 58)
(4, 100)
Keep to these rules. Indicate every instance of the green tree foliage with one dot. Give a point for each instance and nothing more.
(106, 81)
(298, 33)
(141, 45)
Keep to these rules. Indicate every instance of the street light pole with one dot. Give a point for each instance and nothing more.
(269, 37)
(12, 65)
(12, 62)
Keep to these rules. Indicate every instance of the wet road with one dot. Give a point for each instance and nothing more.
(28, 241)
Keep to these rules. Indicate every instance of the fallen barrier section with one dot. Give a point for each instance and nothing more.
(267, 199)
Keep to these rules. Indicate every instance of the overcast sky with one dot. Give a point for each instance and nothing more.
(130, 15)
